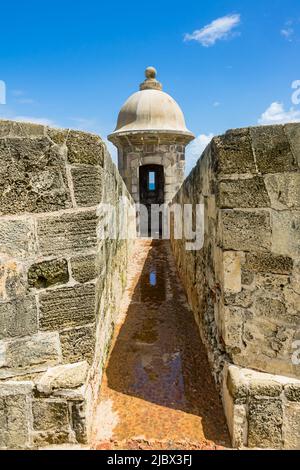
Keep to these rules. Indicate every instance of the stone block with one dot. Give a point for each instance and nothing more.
(272, 150)
(232, 271)
(58, 136)
(269, 307)
(40, 350)
(12, 279)
(17, 238)
(50, 415)
(78, 344)
(67, 233)
(292, 392)
(79, 421)
(48, 273)
(84, 268)
(233, 330)
(15, 415)
(63, 377)
(243, 193)
(33, 177)
(265, 423)
(233, 152)
(85, 148)
(284, 190)
(51, 438)
(246, 231)
(236, 384)
(88, 184)
(67, 307)
(18, 318)
(291, 426)
(263, 387)
(268, 263)
(293, 133)
(286, 233)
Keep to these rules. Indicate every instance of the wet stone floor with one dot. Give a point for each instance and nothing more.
(157, 390)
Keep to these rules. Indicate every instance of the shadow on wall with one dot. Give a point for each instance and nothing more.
(158, 355)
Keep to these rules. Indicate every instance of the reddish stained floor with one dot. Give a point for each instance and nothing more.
(157, 391)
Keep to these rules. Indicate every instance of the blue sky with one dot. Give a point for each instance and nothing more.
(227, 63)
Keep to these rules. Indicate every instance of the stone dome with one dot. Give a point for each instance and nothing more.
(151, 110)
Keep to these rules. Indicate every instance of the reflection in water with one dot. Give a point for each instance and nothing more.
(158, 359)
(152, 284)
(152, 278)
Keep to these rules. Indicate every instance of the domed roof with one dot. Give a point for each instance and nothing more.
(149, 110)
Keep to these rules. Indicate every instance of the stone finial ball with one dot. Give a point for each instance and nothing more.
(150, 72)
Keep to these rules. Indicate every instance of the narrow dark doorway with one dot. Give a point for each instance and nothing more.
(151, 192)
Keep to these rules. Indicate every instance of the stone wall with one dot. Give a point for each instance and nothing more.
(155, 148)
(60, 283)
(243, 285)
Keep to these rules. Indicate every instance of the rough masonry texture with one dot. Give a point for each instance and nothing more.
(244, 284)
(60, 282)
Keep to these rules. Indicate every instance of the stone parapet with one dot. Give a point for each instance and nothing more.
(60, 283)
(243, 285)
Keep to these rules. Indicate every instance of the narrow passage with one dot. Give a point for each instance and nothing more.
(157, 390)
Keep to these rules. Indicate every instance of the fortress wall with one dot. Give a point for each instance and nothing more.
(60, 283)
(244, 284)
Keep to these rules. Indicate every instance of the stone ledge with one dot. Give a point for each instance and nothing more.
(267, 413)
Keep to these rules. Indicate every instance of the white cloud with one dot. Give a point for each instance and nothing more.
(195, 149)
(276, 114)
(35, 120)
(287, 33)
(216, 104)
(219, 29)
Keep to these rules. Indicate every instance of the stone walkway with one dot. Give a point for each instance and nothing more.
(157, 391)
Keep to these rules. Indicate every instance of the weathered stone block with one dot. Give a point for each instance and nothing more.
(292, 392)
(246, 231)
(291, 426)
(262, 387)
(33, 177)
(243, 193)
(45, 438)
(79, 421)
(286, 233)
(78, 344)
(84, 268)
(12, 279)
(236, 384)
(68, 233)
(39, 350)
(265, 422)
(233, 152)
(272, 150)
(87, 182)
(268, 263)
(293, 133)
(233, 329)
(232, 271)
(85, 148)
(18, 318)
(51, 415)
(48, 273)
(58, 136)
(63, 377)
(15, 415)
(17, 238)
(284, 190)
(269, 307)
(68, 307)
